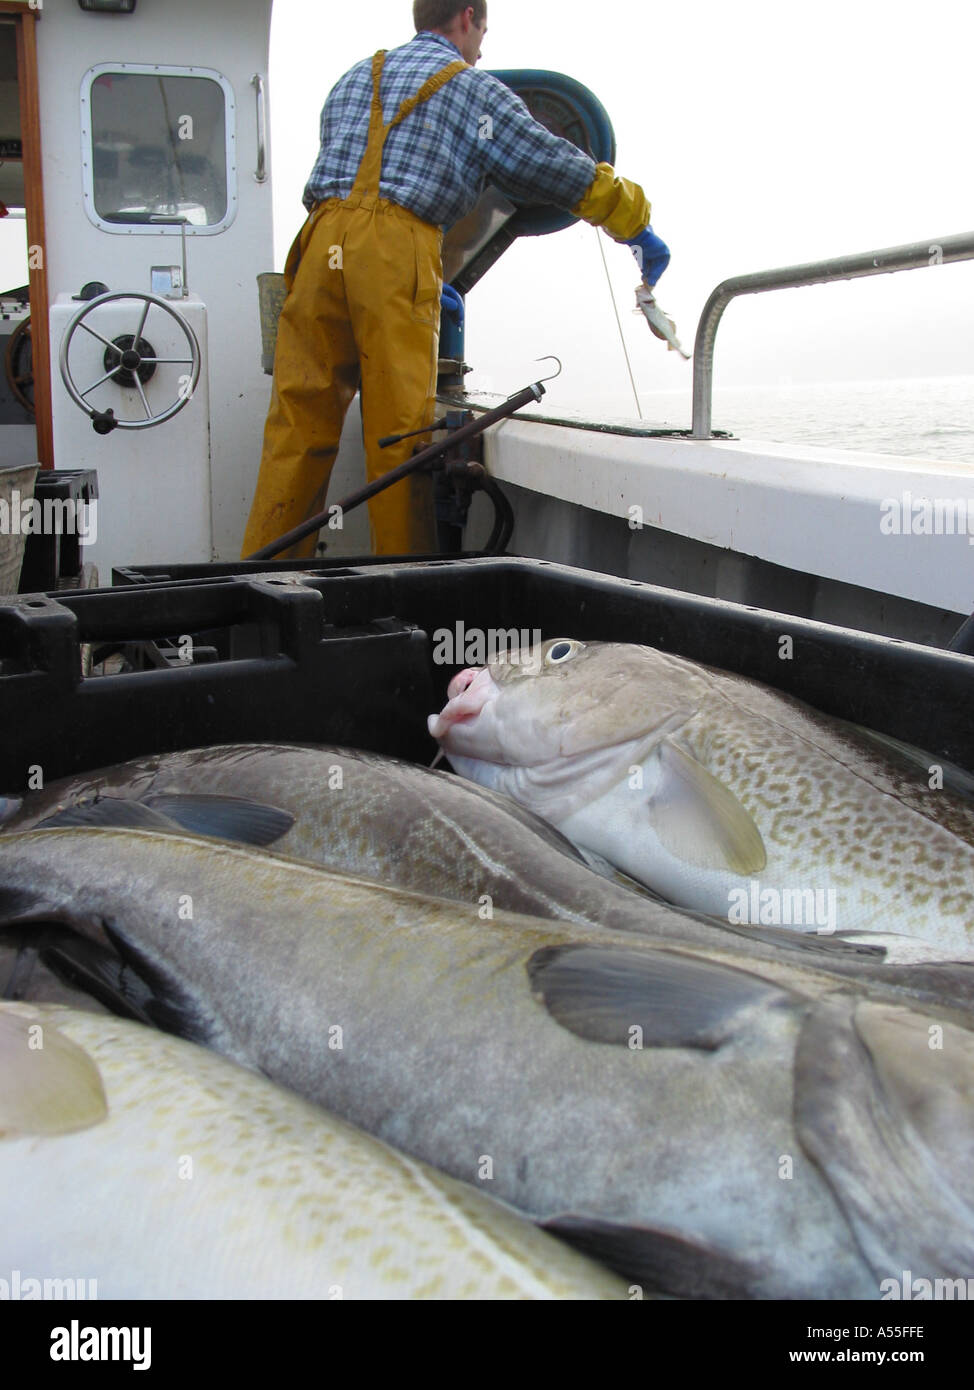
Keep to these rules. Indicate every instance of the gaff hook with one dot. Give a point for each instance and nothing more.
(552, 358)
(537, 390)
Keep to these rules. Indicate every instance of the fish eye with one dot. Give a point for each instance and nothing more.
(560, 652)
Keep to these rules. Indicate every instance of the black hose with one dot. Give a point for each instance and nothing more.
(503, 530)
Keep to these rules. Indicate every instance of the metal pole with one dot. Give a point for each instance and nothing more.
(912, 257)
(315, 523)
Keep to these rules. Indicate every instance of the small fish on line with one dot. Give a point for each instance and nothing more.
(663, 326)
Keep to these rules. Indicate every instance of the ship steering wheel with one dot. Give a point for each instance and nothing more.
(19, 367)
(129, 361)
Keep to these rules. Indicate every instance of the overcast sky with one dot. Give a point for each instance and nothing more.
(764, 133)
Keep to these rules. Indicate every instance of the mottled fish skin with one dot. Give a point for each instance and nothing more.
(206, 1181)
(502, 1052)
(361, 814)
(835, 814)
(430, 832)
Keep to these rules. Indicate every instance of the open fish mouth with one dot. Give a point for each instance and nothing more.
(469, 692)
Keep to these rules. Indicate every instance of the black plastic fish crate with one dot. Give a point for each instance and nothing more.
(56, 555)
(351, 652)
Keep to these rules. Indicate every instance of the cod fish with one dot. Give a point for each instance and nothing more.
(431, 832)
(718, 793)
(643, 1102)
(662, 326)
(354, 812)
(156, 1169)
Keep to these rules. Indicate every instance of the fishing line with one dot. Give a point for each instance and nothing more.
(615, 310)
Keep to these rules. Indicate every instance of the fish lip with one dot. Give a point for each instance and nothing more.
(440, 724)
(464, 706)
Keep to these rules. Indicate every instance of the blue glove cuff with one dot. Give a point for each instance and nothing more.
(451, 301)
(652, 255)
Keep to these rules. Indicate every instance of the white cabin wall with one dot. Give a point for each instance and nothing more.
(231, 36)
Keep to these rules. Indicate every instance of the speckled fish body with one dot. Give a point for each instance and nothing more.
(376, 817)
(637, 1099)
(161, 1170)
(355, 813)
(362, 814)
(719, 793)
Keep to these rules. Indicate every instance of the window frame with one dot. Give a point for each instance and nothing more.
(87, 150)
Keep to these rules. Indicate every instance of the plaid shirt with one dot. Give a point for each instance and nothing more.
(436, 162)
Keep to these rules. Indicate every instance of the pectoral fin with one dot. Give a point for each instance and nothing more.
(701, 821)
(171, 1003)
(231, 818)
(48, 1085)
(602, 993)
(235, 818)
(109, 813)
(666, 1261)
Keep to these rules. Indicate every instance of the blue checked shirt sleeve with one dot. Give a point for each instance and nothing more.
(436, 162)
(523, 159)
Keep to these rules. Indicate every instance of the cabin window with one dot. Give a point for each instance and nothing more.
(158, 149)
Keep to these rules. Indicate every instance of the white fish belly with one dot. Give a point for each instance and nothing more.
(804, 892)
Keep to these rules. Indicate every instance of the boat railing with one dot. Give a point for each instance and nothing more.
(910, 257)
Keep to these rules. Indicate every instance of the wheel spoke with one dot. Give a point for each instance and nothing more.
(101, 380)
(106, 341)
(116, 356)
(145, 315)
(148, 412)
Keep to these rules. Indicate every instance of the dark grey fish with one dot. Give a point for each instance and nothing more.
(430, 832)
(698, 1127)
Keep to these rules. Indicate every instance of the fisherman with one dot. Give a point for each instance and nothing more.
(408, 140)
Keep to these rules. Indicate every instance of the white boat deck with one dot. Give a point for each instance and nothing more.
(850, 517)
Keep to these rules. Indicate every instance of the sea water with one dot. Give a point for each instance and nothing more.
(920, 417)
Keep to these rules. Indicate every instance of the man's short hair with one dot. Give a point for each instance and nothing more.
(437, 14)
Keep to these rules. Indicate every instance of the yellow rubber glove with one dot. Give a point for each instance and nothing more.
(616, 204)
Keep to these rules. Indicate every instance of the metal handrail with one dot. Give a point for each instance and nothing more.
(910, 257)
(257, 82)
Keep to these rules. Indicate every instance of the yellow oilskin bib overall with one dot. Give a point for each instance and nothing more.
(364, 281)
